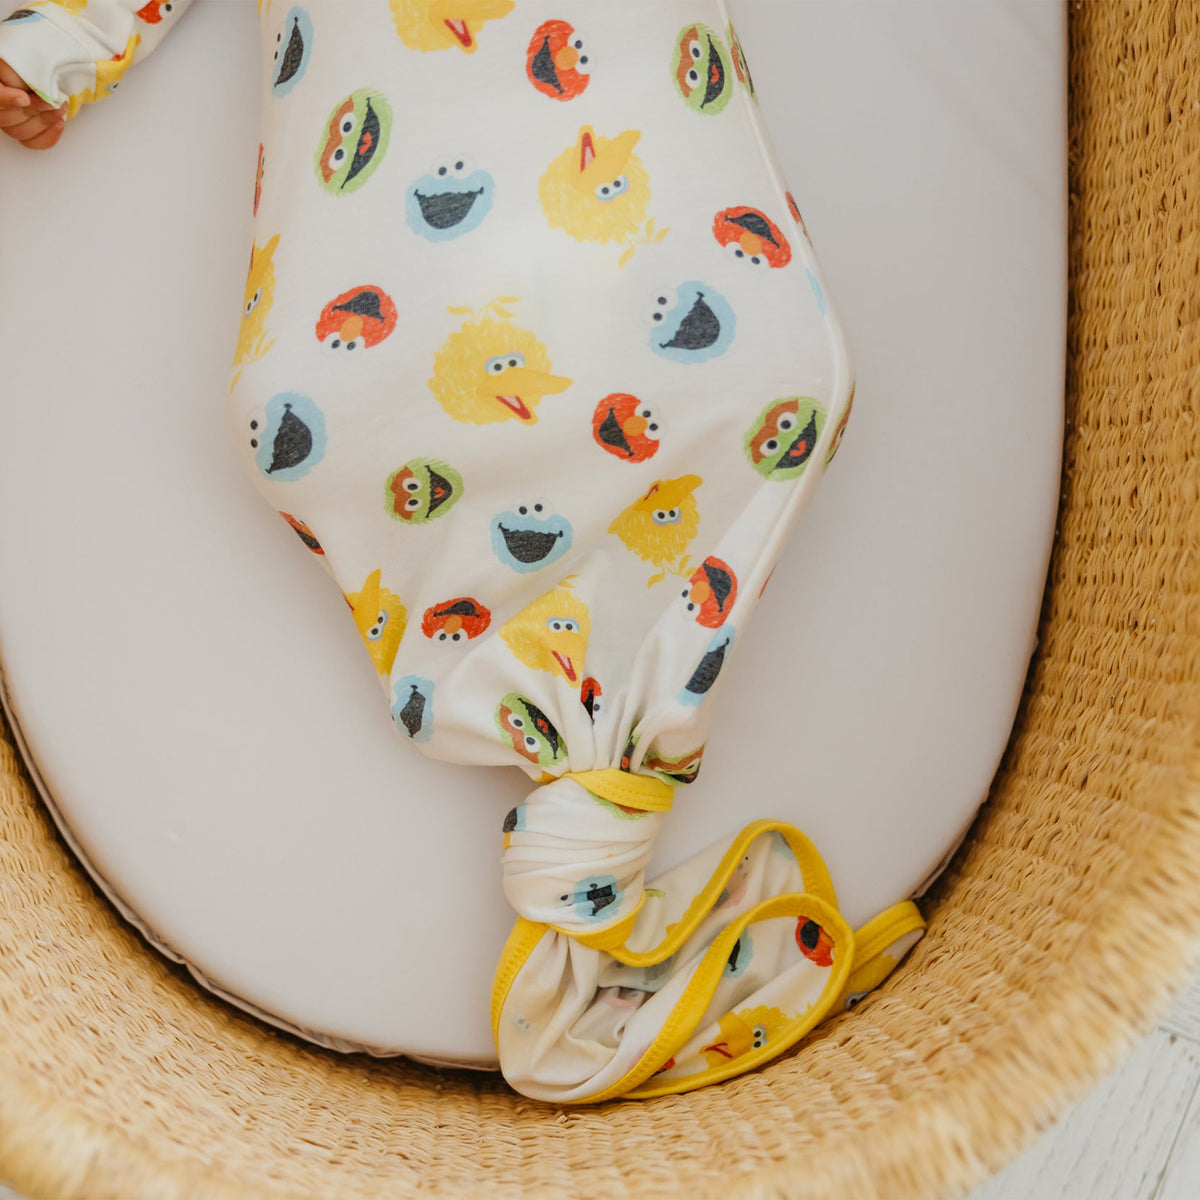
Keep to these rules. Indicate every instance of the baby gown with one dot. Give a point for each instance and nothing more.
(536, 356)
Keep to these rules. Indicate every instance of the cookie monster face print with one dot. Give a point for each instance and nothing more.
(412, 707)
(701, 70)
(355, 142)
(709, 667)
(293, 49)
(780, 443)
(691, 323)
(530, 537)
(452, 199)
(290, 440)
(29, 14)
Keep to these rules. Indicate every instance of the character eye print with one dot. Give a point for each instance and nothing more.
(516, 722)
(769, 446)
(787, 423)
(582, 64)
(459, 167)
(760, 1037)
(531, 742)
(337, 158)
(252, 303)
(695, 50)
(412, 485)
(665, 516)
(562, 625)
(610, 191)
(524, 509)
(376, 630)
(504, 362)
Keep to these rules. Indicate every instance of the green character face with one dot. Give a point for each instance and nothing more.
(529, 731)
(741, 67)
(702, 70)
(781, 441)
(355, 141)
(422, 490)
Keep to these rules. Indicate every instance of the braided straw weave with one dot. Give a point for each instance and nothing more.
(1058, 934)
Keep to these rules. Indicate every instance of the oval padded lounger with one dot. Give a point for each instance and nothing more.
(1061, 930)
(217, 752)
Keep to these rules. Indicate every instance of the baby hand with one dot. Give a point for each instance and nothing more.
(26, 117)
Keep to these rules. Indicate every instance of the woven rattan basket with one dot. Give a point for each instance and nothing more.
(1058, 934)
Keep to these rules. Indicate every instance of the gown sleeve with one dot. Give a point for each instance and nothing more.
(77, 51)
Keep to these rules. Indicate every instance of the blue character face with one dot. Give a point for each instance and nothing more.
(412, 707)
(450, 201)
(696, 325)
(22, 14)
(739, 956)
(592, 898)
(530, 537)
(709, 667)
(290, 441)
(293, 49)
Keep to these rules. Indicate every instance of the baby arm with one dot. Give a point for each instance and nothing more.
(61, 55)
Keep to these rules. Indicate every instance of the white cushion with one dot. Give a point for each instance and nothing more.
(188, 682)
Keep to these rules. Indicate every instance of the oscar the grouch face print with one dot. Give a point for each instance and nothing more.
(422, 490)
(492, 370)
(781, 440)
(741, 67)
(381, 618)
(529, 731)
(445, 24)
(355, 141)
(701, 70)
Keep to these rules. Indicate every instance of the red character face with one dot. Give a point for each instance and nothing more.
(711, 593)
(303, 532)
(751, 236)
(626, 428)
(814, 942)
(456, 621)
(557, 62)
(258, 179)
(154, 11)
(357, 319)
(796, 214)
(589, 694)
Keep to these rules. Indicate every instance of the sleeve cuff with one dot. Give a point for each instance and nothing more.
(52, 62)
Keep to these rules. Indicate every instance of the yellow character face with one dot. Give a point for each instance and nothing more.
(741, 1032)
(492, 370)
(660, 526)
(381, 619)
(597, 190)
(260, 294)
(444, 24)
(109, 72)
(551, 634)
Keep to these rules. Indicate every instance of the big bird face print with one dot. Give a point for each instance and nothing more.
(445, 24)
(491, 370)
(256, 305)
(598, 191)
(660, 526)
(741, 1032)
(380, 618)
(551, 634)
